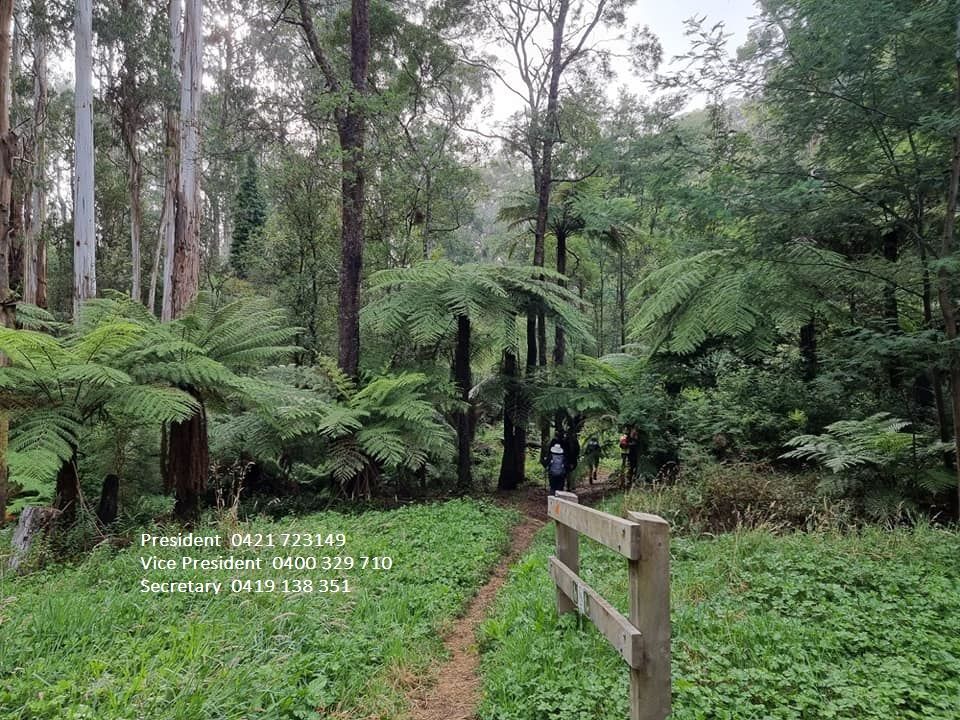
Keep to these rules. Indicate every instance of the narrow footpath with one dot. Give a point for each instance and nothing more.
(453, 691)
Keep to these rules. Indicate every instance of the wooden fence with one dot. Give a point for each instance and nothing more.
(643, 640)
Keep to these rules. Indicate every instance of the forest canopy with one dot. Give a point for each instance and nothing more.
(285, 247)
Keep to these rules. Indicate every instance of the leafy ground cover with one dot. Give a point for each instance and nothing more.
(819, 625)
(83, 642)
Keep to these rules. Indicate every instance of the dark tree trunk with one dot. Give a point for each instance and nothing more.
(109, 499)
(351, 128)
(808, 350)
(621, 301)
(351, 244)
(188, 464)
(559, 343)
(350, 119)
(543, 174)
(462, 377)
(67, 495)
(509, 479)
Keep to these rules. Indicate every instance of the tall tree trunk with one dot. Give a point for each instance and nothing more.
(945, 284)
(621, 300)
(186, 243)
(463, 379)
(560, 340)
(135, 182)
(549, 136)
(514, 441)
(171, 168)
(7, 146)
(35, 269)
(600, 306)
(351, 128)
(350, 118)
(188, 453)
(84, 230)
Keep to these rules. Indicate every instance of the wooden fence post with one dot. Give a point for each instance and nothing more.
(650, 614)
(568, 552)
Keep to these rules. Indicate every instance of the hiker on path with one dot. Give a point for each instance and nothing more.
(557, 460)
(629, 454)
(591, 454)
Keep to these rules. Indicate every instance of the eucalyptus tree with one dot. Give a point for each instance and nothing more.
(185, 277)
(349, 88)
(35, 148)
(84, 229)
(171, 167)
(7, 306)
(132, 30)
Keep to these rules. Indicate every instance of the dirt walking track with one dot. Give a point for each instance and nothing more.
(453, 691)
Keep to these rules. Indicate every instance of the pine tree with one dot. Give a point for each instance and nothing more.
(251, 213)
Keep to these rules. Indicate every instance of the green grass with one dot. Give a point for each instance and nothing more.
(82, 642)
(797, 626)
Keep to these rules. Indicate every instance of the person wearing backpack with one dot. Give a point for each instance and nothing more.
(556, 462)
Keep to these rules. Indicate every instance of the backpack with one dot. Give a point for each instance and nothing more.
(556, 467)
(624, 442)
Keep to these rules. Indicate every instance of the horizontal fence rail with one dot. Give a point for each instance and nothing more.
(643, 638)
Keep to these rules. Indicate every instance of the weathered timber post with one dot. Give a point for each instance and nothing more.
(643, 639)
(568, 552)
(650, 614)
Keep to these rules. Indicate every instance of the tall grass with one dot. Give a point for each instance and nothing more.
(82, 642)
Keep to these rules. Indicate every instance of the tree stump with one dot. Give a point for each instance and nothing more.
(33, 521)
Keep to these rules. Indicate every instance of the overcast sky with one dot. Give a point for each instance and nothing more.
(665, 19)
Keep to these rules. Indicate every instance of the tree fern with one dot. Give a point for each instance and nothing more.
(731, 294)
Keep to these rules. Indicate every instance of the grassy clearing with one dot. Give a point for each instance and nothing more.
(811, 626)
(83, 642)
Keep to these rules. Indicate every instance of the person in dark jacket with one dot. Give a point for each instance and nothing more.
(556, 460)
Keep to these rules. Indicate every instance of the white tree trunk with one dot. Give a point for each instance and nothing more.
(35, 275)
(84, 230)
(186, 254)
(171, 167)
